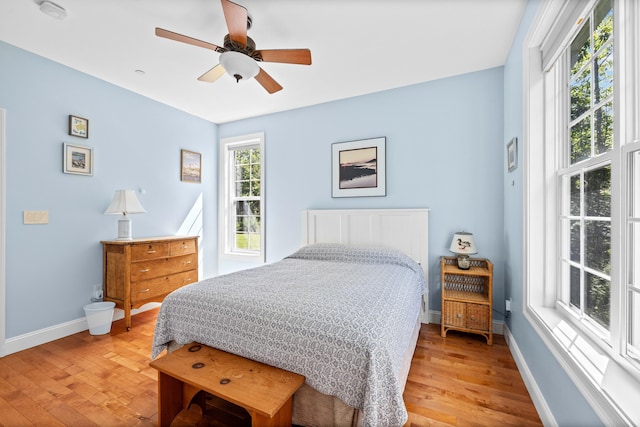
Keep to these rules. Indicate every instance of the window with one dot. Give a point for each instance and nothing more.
(585, 172)
(582, 195)
(241, 197)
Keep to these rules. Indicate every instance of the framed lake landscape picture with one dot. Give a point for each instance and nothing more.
(358, 168)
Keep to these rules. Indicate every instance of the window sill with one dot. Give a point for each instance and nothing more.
(608, 387)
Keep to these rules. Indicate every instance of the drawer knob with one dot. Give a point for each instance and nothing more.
(187, 262)
(144, 290)
(144, 270)
(459, 316)
(151, 252)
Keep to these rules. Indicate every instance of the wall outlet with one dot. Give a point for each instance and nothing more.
(507, 305)
(97, 292)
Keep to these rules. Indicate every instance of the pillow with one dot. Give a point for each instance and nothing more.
(321, 252)
(339, 252)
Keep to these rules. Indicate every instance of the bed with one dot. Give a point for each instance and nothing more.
(344, 311)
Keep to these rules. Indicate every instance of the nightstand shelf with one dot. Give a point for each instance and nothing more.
(467, 299)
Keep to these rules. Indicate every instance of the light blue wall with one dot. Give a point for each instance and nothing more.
(567, 404)
(444, 143)
(51, 269)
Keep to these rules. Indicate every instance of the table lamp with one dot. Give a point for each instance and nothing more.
(124, 202)
(463, 245)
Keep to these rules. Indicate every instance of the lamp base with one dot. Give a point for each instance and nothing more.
(464, 262)
(124, 229)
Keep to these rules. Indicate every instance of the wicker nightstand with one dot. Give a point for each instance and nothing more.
(467, 297)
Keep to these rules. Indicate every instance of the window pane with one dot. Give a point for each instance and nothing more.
(597, 299)
(255, 189)
(253, 242)
(574, 183)
(241, 224)
(603, 17)
(243, 208)
(580, 89)
(574, 298)
(242, 241)
(598, 245)
(597, 192)
(604, 128)
(254, 207)
(580, 48)
(245, 172)
(603, 83)
(581, 140)
(574, 245)
(244, 187)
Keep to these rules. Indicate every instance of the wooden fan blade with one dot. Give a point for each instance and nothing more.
(236, 17)
(267, 82)
(212, 75)
(289, 56)
(188, 40)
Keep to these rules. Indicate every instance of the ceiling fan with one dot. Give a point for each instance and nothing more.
(239, 56)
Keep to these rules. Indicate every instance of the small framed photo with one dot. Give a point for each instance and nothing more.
(78, 159)
(358, 168)
(190, 166)
(512, 154)
(78, 126)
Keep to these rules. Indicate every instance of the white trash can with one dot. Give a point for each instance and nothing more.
(99, 317)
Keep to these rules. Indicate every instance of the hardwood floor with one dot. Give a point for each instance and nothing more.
(86, 380)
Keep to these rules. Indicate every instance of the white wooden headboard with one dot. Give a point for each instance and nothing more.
(404, 229)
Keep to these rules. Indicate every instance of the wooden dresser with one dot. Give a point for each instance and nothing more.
(146, 270)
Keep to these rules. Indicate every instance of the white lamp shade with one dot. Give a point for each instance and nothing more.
(463, 244)
(124, 202)
(239, 65)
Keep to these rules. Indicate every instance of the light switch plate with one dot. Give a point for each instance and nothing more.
(36, 217)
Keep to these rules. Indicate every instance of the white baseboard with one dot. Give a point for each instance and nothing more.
(546, 416)
(52, 333)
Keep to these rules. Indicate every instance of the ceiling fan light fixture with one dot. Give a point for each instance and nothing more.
(238, 65)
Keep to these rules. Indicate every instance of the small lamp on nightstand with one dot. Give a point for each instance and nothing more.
(463, 245)
(124, 202)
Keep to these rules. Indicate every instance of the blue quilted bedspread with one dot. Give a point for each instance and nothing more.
(341, 316)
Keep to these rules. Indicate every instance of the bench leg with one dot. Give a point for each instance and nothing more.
(280, 419)
(169, 399)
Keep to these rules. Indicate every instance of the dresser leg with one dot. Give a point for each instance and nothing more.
(127, 318)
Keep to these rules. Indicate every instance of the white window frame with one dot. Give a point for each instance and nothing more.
(226, 216)
(608, 379)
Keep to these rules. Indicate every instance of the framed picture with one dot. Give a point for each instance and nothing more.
(512, 154)
(78, 159)
(78, 127)
(190, 166)
(358, 168)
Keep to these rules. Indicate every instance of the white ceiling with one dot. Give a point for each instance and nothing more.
(357, 46)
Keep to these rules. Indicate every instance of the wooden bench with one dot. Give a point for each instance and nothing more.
(264, 391)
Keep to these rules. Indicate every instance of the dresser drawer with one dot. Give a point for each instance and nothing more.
(143, 270)
(160, 286)
(454, 314)
(183, 247)
(151, 250)
(478, 317)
